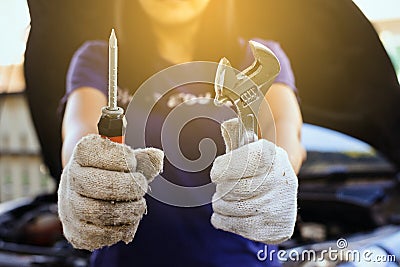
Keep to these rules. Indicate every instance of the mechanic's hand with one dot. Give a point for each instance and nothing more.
(100, 197)
(256, 189)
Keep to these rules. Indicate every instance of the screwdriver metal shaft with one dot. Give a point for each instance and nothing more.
(112, 124)
(112, 71)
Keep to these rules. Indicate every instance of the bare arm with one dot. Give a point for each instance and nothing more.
(288, 122)
(84, 105)
(82, 112)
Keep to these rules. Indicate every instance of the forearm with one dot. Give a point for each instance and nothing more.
(288, 122)
(71, 139)
(290, 142)
(82, 113)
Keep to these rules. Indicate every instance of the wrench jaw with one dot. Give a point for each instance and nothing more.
(264, 68)
(246, 89)
(225, 77)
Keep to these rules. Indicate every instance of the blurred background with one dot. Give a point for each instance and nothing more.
(22, 172)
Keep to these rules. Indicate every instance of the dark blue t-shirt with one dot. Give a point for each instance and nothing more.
(173, 235)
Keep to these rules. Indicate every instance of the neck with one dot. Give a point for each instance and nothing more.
(176, 43)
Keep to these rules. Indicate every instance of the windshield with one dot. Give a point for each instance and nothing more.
(330, 152)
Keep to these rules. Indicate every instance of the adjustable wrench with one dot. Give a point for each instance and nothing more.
(246, 89)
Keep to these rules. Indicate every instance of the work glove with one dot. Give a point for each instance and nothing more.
(100, 197)
(256, 189)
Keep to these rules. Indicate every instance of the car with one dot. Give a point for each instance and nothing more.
(349, 197)
(349, 92)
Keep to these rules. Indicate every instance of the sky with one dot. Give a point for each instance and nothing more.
(14, 20)
(379, 9)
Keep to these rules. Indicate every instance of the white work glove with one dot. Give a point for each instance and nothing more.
(256, 189)
(100, 197)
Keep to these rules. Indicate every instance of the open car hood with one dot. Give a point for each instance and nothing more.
(345, 78)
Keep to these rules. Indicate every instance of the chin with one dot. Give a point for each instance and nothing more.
(174, 12)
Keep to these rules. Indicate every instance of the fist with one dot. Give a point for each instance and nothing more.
(101, 192)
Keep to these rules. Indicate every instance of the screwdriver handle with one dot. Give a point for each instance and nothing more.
(116, 139)
(112, 125)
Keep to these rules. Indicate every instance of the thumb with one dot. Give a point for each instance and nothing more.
(230, 134)
(149, 162)
(234, 134)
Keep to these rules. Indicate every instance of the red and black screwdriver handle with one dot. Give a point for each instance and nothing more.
(112, 125)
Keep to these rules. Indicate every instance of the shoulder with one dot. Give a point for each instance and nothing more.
(88, 66)
(276, 48)
(91, 49)
(286, 75)
(273, 45)
(90, 55)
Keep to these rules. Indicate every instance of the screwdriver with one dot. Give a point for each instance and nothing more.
(112, 123)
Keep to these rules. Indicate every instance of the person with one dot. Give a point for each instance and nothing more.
(99, 202)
